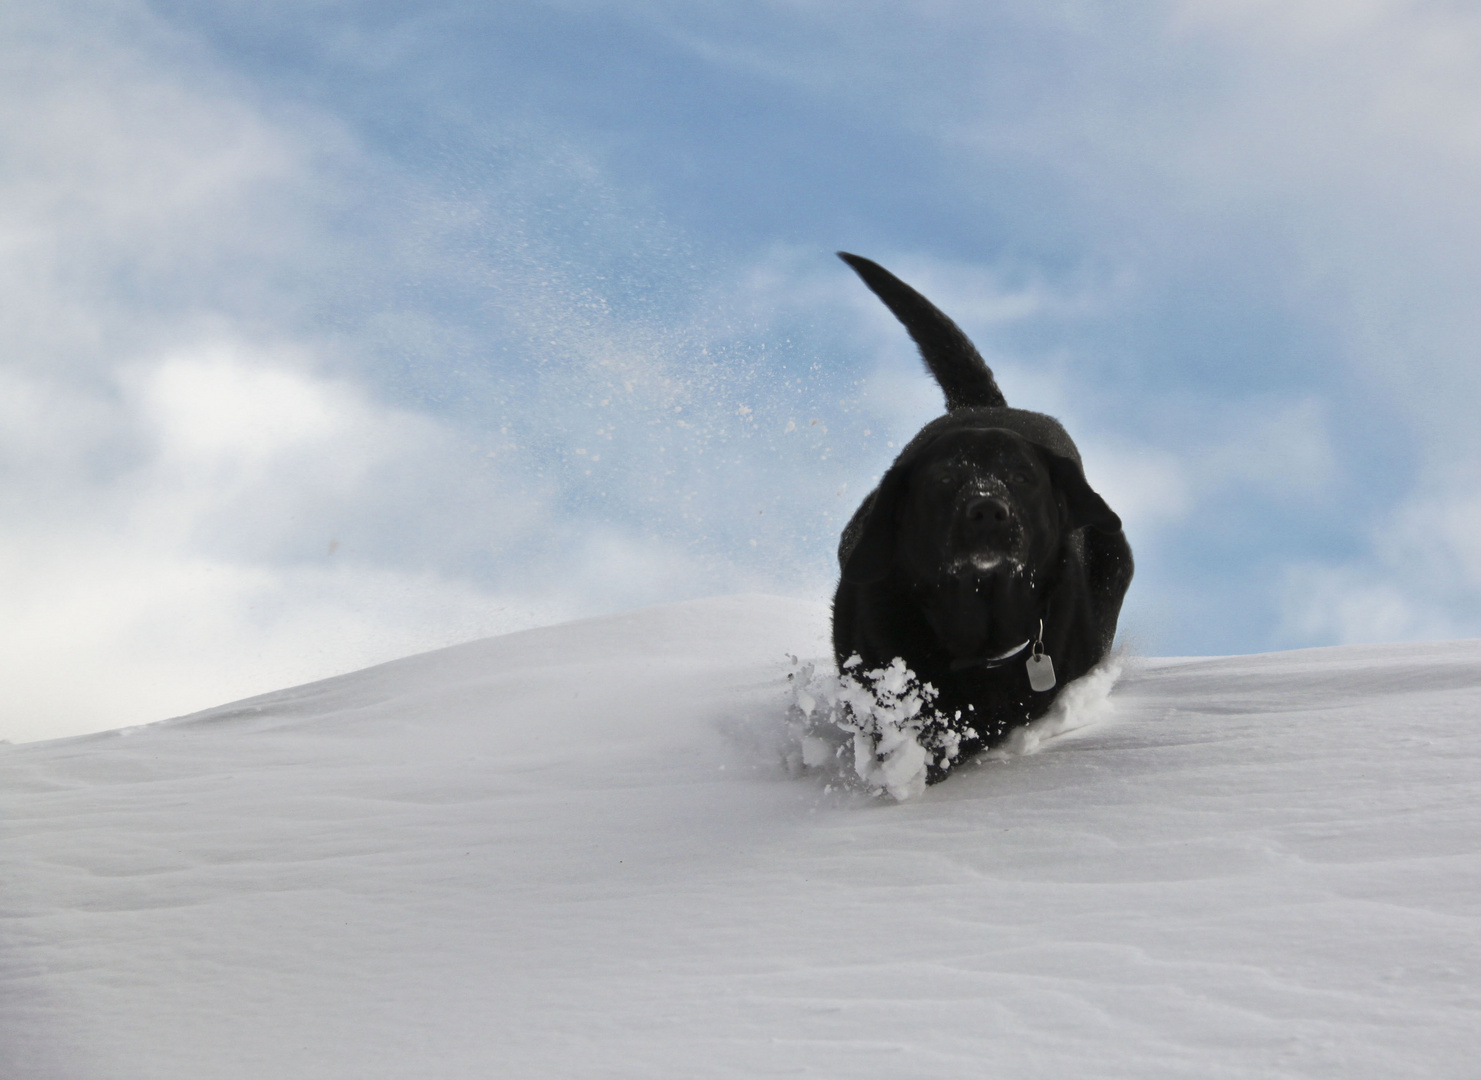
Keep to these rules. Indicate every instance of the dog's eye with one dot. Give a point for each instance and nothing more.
(946, 479)
(1020, 478)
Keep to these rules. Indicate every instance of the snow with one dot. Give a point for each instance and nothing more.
(874, 731)
(580, 852)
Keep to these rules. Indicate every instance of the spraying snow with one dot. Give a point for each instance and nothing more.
(876, 730)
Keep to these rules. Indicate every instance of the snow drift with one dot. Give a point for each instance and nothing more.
(580, 851)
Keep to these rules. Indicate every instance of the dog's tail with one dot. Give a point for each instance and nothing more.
(952, 358)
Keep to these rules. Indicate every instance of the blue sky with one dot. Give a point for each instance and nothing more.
(337, 331)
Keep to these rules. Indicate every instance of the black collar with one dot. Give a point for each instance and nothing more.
(991, 662)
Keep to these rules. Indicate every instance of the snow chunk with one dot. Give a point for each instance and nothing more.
(872, 729)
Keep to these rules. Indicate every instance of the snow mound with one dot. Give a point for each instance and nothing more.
(579, 852)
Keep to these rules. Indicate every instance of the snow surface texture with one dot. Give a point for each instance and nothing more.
(579, 852)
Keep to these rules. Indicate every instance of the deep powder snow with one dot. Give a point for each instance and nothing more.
(607, 849)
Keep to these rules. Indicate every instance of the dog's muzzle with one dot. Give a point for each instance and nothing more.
(987, 532)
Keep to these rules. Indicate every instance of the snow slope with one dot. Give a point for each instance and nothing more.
(573, 852)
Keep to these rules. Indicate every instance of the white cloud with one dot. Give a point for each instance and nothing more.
(221, 405)
(172, 486)
(102, 632)
(1348, 605)
(1279, 448)
(139, 187)
(1420, 578)
(222, 554)
(1355, 130)
(1149, 489)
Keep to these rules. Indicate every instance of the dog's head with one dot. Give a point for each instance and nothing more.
(976, 512)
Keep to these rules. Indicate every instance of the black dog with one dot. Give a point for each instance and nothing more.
(983, 558)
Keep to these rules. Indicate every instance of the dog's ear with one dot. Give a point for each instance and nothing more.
(867, 550)
(1084, 505)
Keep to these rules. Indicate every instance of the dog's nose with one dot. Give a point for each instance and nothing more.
(987, 510)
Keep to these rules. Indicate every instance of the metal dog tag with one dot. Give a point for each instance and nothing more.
(1041, 672)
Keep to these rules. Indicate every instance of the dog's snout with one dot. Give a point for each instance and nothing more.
(987, 510)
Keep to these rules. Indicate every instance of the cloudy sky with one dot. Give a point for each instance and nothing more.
(333, 331)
